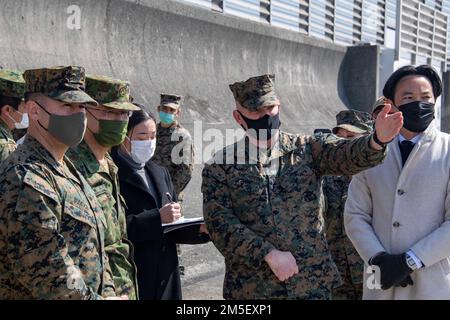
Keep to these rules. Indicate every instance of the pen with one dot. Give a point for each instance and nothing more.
(169, 197)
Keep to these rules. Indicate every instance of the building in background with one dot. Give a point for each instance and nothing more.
(407, 31)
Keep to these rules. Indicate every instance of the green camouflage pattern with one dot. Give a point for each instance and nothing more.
(255, 93)
(354, 121)
(379, 103)
(110, 92)
(51, 230)
(170, 100)
(253, 204)
(103, 179)
(347, 259)
(66, 84)
(12, 84)
(7, 143)
(181, 173)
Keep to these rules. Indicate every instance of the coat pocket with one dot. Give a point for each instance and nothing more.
(101, 204)
(82, 215)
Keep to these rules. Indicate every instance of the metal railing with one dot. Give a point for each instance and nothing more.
(341, 21)
(422, 26)
(422, 31)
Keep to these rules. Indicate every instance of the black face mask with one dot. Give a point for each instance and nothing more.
(262, 128)
(417, 115)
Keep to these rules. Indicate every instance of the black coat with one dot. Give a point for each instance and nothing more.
(155, 254)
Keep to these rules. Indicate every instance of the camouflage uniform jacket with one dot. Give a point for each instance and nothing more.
(51, 230)
(7, 144)
(104, 181)
(181, 173)
(344, 254)
(250, 209)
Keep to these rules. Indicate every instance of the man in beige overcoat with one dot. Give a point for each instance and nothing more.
(397, 214)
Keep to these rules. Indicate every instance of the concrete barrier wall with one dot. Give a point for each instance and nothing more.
(360, 76)
(166, 46)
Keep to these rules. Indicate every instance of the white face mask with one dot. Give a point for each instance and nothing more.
(142, 150)
(23, 124)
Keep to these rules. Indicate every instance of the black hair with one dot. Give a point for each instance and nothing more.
(28, 96)
(139, 116)
(9, 101)
(426, 71)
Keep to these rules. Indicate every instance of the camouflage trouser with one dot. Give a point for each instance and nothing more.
(348, 290)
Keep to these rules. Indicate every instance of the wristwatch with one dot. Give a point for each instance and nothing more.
(411, 262)
(377, 141)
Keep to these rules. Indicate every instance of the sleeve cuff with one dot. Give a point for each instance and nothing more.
(418, 262)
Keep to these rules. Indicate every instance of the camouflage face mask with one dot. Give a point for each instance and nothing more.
(111, 132)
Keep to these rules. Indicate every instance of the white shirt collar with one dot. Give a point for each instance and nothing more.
(414, 140)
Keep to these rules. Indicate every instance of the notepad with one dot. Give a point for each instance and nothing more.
(181, 223)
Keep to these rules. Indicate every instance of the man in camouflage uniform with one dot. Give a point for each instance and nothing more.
(12, 87)
(263, 207)
(106, 127)
(173, 139)
(174, 148)
(350, 124)
(51, 225)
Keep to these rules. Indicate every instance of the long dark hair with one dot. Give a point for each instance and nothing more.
(9, 101)
(138, 117)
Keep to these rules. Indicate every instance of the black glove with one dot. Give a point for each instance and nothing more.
(406, 282)
(393, 268)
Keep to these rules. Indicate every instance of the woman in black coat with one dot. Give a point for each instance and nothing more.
(151, 200)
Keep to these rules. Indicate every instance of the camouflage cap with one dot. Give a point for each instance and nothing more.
(354, 121)
(110, 92)
(255, 93)
(170, 100)
(12, 84)
(66, 84)
(381, 101)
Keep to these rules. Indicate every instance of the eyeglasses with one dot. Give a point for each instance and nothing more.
(113, 114)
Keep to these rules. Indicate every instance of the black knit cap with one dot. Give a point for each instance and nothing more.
(424, 70)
